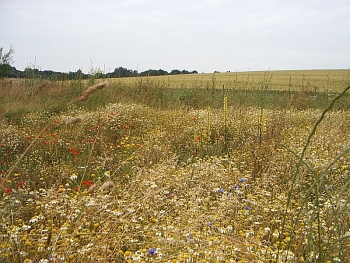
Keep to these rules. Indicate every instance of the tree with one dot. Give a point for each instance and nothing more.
(6, 60)
(175, 72)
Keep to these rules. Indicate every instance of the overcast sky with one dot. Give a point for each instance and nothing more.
(202, 35)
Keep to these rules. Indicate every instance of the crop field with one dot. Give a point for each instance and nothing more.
(224, 167)
(295, 80)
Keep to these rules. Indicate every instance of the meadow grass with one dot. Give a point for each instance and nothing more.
(161, 174)
(273, 89)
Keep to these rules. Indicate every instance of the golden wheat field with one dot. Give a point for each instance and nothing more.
(129, 171)
(319, 80)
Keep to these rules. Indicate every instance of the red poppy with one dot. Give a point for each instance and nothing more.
(8, 190)
(73, 151)
(20, 184)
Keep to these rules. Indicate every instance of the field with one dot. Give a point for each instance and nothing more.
(224, 167)
(295, 80)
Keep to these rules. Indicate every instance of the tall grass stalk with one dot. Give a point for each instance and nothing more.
(226, 139)
(316, 187)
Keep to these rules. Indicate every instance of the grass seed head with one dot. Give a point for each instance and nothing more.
(92, 89)
(91, 189)
(74, 120)
(107, 185)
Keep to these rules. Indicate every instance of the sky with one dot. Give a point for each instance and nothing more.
(202, 35)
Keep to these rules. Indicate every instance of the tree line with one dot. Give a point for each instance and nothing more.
(6, 70)
(12, 72)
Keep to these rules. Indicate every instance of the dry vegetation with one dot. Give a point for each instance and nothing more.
(87, 180)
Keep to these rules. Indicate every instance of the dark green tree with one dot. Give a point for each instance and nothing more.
(153, 72)
(175, 72)
(6, 59)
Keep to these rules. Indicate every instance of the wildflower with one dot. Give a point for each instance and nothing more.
(73, 151)
(242, 180)
(25, 227)
(8, 190)
(20, 184)
(73, 177)
(152, 251)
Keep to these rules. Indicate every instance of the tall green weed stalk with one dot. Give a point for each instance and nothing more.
(319, 241)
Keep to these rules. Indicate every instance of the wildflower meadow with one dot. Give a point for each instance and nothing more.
(138, 171)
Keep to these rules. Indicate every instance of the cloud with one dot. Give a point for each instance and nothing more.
(203, 35)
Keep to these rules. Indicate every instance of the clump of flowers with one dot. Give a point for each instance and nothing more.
(146, 187)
